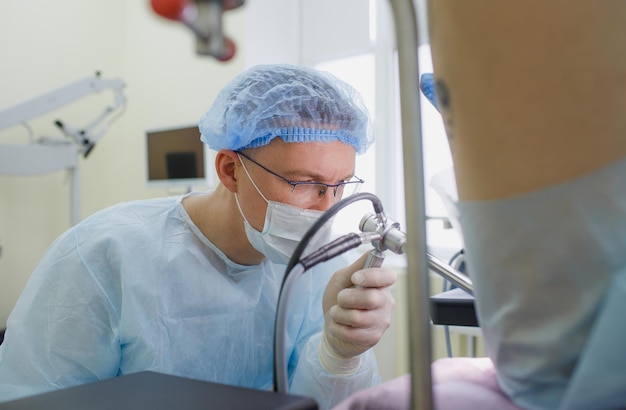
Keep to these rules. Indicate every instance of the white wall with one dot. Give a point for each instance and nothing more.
(46, 44)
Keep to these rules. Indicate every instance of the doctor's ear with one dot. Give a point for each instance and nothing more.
(226, 163)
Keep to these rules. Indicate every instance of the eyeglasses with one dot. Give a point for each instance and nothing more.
(310, 190)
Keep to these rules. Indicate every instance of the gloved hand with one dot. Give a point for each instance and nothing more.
(357, 308)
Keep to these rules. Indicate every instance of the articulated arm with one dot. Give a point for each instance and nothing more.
(86, 136)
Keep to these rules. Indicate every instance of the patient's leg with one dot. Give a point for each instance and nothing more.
(535, 91)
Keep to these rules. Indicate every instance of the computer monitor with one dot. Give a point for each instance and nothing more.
(176, 157)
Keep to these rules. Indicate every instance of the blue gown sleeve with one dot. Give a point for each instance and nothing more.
(329, 389)
(60, 332)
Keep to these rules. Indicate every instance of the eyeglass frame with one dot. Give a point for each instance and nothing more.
(294, 184)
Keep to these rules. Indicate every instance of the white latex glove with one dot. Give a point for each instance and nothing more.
(357, 308)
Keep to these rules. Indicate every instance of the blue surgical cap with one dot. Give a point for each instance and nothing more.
(427, 85)
(294, 103)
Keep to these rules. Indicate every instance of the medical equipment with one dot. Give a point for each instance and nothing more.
(176, 158)
(382, 232)
(456, 304)
(158, 391)
(395, 240)
(376, 228)
(420, 357)
(204, 19)
(47, 154)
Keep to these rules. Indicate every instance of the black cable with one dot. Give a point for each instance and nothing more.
(334, 248)
(332, 211)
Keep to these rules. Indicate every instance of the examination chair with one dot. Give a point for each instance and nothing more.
(157, 391)
(454, 306)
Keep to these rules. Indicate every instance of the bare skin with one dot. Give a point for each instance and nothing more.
(216, 213)
(530, 91)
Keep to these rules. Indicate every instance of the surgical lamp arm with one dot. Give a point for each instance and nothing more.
(52, 100)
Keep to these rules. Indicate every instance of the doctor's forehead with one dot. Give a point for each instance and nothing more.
(334, 160)
(278, 148)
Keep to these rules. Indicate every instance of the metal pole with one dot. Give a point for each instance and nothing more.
(74, 194)
(453, 275)
(417, 269)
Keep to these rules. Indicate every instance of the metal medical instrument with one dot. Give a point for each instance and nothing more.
(392, 238)
(376, 229)
(418, 288)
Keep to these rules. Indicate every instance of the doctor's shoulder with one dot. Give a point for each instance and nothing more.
(120, 222)
(129, 213)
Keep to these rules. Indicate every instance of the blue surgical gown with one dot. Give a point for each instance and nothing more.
(138, 287)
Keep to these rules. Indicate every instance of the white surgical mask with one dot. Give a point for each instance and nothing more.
(284, 227)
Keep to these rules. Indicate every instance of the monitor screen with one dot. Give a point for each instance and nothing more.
(176, 156)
